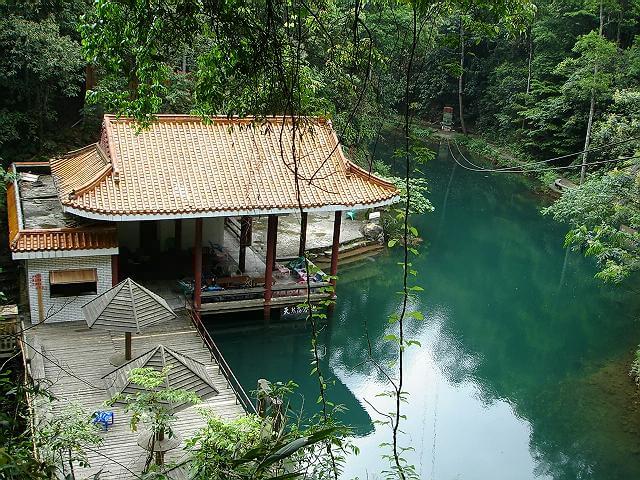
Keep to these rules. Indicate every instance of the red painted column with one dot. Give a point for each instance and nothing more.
(275, 243)
(114, 270)
(272, 228)
(197, 265)
(303, 234)
(334, 249)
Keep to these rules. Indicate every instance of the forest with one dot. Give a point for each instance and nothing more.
(544, 88)
(555, 80)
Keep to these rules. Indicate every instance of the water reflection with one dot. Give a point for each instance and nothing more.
(519, 375)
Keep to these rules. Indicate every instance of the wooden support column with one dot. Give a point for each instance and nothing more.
(245, 241)
(197, 266)
(115, 278)
(335, 246)
(275, 243)
(272, 227)
(177, 233)
(303, 234)
(127, 346)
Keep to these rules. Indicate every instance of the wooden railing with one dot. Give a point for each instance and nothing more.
(277, 290)
(216, 354)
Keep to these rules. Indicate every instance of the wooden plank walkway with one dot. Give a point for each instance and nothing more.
(73, 360)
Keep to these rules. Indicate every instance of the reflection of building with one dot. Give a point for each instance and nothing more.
(152, 204)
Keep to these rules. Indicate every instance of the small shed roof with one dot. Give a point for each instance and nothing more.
(182, 166)
(127, 307)
(184, 373)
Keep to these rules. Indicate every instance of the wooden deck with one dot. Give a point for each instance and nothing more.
(72, 359)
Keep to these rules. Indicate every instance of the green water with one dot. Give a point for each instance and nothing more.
(522, 369)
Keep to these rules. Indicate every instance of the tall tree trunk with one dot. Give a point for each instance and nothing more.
(460, 79)
(587, 139)
(592, 108)
(529, 60)
(619, 29)
(529, 63)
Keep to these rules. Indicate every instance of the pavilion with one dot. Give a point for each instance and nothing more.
(142, 198)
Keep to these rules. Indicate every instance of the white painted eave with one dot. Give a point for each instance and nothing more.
(64, 253)
(224, 213)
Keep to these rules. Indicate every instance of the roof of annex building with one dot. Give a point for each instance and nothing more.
(182, 166)
(38, 226)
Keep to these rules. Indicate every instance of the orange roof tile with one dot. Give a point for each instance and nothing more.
(33, 240)
(183, 166)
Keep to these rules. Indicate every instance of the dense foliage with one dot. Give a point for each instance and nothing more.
(558, 79)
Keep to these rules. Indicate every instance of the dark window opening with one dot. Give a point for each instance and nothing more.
(73, 283)
(73, 289)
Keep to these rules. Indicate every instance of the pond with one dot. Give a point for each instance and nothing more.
(522, 369)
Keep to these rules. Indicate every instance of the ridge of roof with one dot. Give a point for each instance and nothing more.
(111, 118)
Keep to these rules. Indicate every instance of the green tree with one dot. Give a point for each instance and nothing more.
(604, 214)
(152, 405)
(64, 438)
(590, 74)
(41, 65)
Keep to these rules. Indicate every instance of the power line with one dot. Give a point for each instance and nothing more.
(591, 149)
(515, 170)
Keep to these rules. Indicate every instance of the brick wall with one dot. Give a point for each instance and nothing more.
(64, 309)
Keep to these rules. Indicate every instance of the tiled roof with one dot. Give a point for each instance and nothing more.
(34, 240)
(183, 373)
(183, 166)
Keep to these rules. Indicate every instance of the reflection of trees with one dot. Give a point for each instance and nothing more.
(281, 353)
(497, 316)
(511, 327)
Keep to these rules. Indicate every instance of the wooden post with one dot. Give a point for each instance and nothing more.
(303, 234)
(275, 243)
(197, 267)
(272, 227)
(127, 346)
(40, 304)
(36, 282)
(159, 451)
(177, 234)
(90, 77)
(114, 270)
(335, 246)
(245, 240)
(334, 255)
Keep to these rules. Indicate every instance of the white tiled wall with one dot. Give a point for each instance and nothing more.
(64, 309)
